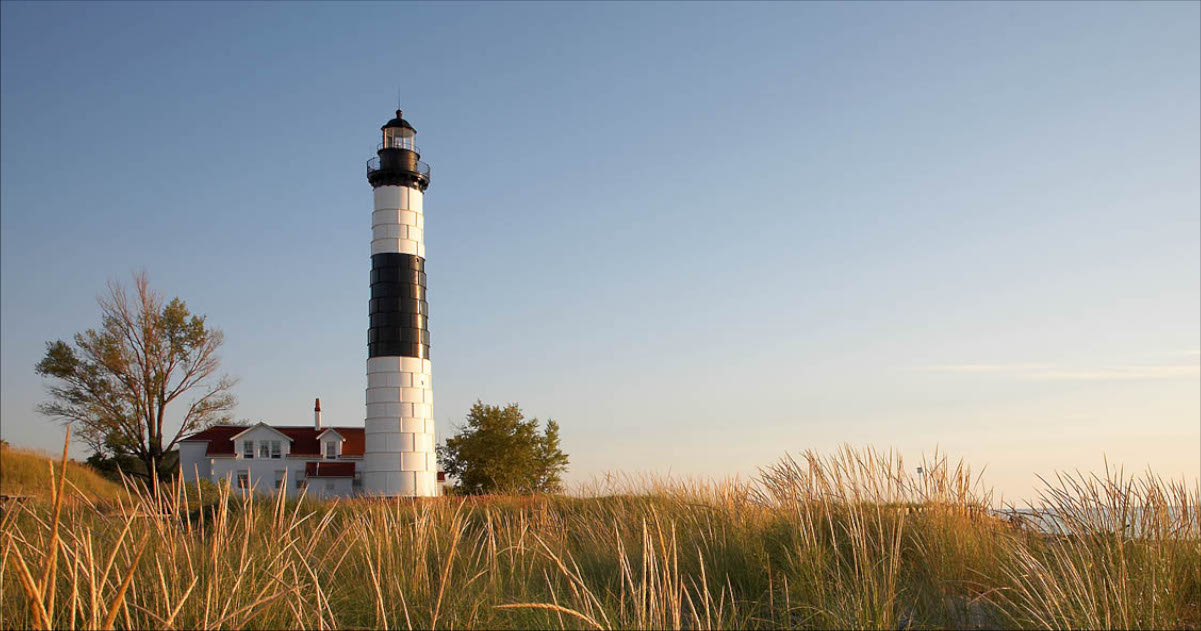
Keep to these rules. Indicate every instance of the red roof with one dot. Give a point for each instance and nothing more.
(304, 439)
(329, 469)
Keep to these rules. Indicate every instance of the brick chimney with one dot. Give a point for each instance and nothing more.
(317, 415)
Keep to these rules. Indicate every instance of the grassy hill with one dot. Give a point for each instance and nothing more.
(27, 472)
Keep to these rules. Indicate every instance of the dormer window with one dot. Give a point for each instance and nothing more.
(331, 449)
(262, 442)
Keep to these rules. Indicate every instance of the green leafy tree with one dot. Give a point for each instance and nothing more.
(114, 385)
(498, 451)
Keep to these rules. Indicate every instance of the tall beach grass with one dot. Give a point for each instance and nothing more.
(848, 540)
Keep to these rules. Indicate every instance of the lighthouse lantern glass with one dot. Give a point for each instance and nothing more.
(399, 138)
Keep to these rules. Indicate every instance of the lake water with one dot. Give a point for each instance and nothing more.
(1136, 523)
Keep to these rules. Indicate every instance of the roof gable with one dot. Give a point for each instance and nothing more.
(260, 425)
(220, 439)
(331, 432)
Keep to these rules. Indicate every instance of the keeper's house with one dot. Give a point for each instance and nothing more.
(321, 461)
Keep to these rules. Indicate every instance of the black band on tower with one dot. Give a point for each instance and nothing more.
(398, 307)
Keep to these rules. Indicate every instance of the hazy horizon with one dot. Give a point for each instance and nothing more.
(698, 236)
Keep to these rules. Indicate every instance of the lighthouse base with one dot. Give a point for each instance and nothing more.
(399, 452)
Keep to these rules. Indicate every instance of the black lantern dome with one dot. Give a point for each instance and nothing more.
(398, 122)
(398, 162)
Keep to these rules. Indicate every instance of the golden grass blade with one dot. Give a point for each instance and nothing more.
(457, 533)
(112, 556)
(258, 603)
(555, 608)
(119, 599)
(170, 621)
(41, 619)
(48, 571)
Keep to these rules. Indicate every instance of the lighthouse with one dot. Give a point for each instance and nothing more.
(398, 456)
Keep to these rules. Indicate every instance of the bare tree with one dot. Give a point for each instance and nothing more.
(114, 384)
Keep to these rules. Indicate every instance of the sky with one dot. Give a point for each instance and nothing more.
(699, 236)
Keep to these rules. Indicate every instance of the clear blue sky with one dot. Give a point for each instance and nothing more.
(698, 235)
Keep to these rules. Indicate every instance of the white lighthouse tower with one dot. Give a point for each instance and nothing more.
(399, 429)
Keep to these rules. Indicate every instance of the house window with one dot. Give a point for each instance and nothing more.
(264, 449)
(243, 479)
(331, 450)
(329, 485)
(301, 483)
(280, 474)
(248, 449)
(276, 449)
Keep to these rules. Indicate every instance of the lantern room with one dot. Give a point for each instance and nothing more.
(399, 134)
(398, 159)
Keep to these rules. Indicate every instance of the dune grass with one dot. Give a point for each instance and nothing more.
(848, 541)
(27, 472)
